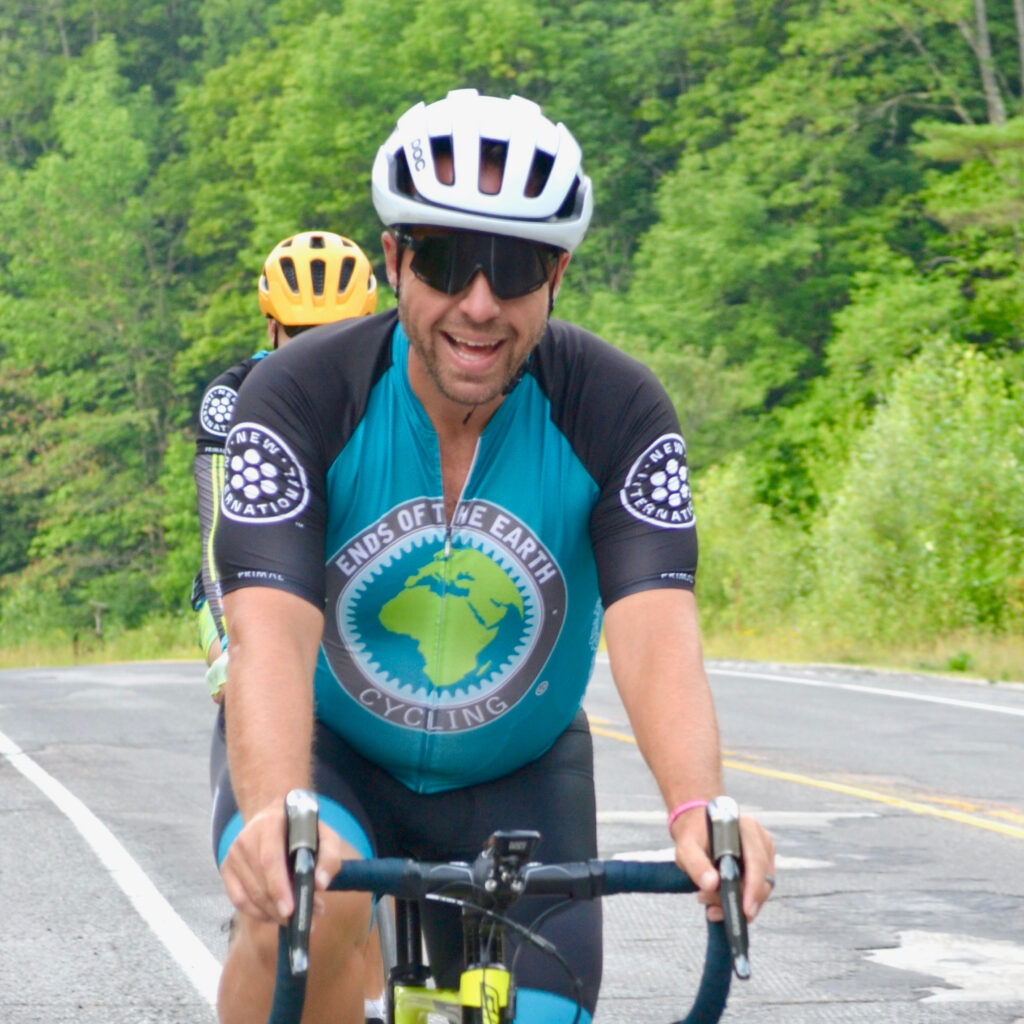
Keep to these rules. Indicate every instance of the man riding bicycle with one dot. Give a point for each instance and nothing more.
(311, 278)
(427, 515)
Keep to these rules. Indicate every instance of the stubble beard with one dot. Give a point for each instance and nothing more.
(428, 355)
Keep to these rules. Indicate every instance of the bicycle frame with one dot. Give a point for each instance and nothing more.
(485, 988)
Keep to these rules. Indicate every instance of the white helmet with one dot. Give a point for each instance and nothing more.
(544, 194)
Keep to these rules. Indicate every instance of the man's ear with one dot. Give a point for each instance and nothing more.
(556, 281)
(390, 246)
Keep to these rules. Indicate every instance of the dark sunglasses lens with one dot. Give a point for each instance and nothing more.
(449, 263)
(432, 262)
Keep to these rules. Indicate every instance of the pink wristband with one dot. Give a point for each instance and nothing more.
(681, 809)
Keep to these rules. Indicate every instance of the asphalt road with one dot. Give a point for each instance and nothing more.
(896, 803)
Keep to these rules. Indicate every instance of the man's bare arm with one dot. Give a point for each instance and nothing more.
(275, 637)
(657, 661)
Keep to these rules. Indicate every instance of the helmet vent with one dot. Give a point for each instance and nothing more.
(540, 171)
(288, 269)
(493, 154)
(403, 176)
(567, 208)
(318, 269)
(442, 148)
(316, 242)
(348, 267)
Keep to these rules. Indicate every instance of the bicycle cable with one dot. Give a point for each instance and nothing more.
(537, 941)
(577, 984)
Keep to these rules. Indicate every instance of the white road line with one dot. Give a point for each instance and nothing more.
(877, 691)
(198, 963)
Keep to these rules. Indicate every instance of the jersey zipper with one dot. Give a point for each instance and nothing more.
(427, 745)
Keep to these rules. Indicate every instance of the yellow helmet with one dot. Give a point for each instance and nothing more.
(316, 277)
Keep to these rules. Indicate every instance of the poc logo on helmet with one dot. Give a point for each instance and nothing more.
(264, 481)
(418, 160)
(657, 488)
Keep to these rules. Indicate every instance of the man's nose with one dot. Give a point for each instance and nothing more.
(478, 301)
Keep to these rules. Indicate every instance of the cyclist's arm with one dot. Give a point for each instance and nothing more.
(656, 659)
(208, 471)
(275, 636)
(655, 652)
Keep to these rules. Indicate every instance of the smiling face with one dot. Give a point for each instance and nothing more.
(466, 348)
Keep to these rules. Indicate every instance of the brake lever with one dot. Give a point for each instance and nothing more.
(302, 812)
(724, 828)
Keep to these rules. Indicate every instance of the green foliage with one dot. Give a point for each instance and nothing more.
(754, 563)
(716, 239)
(926, 533)
(808, 222)
(179, 521)
(87, 366)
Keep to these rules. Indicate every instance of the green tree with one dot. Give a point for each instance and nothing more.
(926, 533)
(755, 562)
(86, 287)
(797, 166)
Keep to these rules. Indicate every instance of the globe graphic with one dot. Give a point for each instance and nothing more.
(443, 622)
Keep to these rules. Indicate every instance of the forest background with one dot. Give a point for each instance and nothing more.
(808, 222)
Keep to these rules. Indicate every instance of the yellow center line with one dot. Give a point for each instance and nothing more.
(914, 806)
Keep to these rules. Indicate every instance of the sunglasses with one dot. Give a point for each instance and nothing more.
(448, 261)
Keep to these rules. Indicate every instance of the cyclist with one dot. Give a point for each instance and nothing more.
(311, 278)
(459, 492)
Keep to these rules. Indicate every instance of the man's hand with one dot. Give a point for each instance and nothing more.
(217, 676)
(255, 871)
(690, 833)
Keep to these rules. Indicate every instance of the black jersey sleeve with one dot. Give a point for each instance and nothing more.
(218, 406)
(213, 424)
(294, 414)
(625, 430)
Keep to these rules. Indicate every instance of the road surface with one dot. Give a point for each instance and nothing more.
(896, 802)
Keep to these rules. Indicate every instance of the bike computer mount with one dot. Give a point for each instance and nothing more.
(499, 867)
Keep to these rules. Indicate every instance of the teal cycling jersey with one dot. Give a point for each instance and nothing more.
(453, 651)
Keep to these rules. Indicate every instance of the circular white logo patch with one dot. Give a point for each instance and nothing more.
(264, 480)
(217, 410)
(657, 489)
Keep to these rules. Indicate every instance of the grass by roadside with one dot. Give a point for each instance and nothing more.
(976, 656)
(170, 638)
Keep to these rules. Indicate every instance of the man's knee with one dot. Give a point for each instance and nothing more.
(256, 940)
(341, 925)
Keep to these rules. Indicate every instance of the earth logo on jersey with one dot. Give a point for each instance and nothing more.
(264, 481)
(217, 409)
(657, 488)
(442, 633)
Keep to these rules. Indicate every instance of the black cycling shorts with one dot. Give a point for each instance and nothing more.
(380, 816)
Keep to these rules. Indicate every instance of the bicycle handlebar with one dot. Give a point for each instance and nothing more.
(408, 879)
(579, 880)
